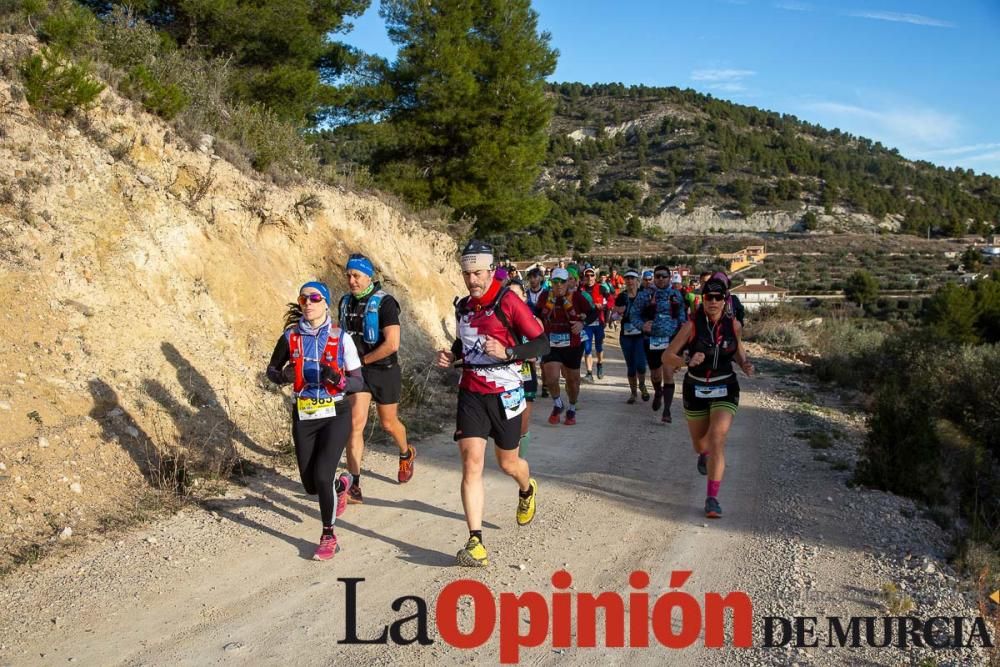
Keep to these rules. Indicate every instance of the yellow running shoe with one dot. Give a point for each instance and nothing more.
(526, 506)
(473, 554)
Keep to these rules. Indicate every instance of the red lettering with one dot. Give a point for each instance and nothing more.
(483, 619)
(638, 611)
(511, 639)
(562, 621)
(663, 627)
(614, 619)
(715, 619)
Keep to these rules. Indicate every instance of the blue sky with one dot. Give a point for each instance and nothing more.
(920, 76)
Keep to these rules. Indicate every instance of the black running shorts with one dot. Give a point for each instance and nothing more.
(570, 357)
(384, 384)
(701, 407)
(483, 416)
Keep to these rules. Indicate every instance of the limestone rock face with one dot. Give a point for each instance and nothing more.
(143, 285)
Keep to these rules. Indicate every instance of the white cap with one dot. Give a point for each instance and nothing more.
(559, 274)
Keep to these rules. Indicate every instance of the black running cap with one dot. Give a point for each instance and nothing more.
(715, 286)
(477, 247)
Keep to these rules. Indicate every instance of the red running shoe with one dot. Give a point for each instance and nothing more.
(406, 466)
(554, 417)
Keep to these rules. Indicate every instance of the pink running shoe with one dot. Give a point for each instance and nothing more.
(327, 547)
(345, 484)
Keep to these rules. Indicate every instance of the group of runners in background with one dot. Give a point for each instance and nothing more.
(510, 334)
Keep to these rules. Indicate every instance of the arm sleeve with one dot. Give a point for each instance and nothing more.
(355, 381)
(621, 300)
(535, 347)
(279, 358)
(456, 348)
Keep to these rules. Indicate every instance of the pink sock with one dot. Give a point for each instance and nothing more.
(713, 488)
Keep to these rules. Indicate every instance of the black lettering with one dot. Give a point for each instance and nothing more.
(871, 635)
(396, 629)
(786, 631)
(351, 616)
(805, 627)
(908, 627)
(980, 630)
(837, 630)
(933, 636)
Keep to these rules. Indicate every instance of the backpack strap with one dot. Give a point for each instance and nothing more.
(344, 300)
(371, 328)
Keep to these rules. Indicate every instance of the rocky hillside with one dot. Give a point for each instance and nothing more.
(143, 285)
(643, 160)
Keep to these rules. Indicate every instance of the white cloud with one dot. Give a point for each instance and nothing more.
(964, 150)
(792, 6)
(719, 75)
(901, 126)
(897, 17)
(729, 87)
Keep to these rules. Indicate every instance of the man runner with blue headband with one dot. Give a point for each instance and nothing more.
(371, 317)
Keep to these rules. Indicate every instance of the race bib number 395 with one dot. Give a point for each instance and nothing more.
(316, 408)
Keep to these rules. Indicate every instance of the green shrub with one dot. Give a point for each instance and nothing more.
(127, 41)
(53, 85)
(70, 26)
(267, 139)
(163, 99)
(849, 352)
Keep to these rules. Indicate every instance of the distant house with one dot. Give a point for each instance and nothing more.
(741, 259)
(991, 250)
(755, 292)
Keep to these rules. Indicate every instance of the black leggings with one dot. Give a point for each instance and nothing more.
(319, 444)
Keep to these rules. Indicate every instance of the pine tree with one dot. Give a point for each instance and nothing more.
(281, 50)
(467, 120)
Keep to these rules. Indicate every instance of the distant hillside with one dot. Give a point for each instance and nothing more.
(628, 160)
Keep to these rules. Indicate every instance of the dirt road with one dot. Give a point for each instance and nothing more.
(233, 583)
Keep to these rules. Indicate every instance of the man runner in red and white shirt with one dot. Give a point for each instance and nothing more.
(491, 323)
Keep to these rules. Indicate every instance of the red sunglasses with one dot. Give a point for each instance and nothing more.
(315, 297)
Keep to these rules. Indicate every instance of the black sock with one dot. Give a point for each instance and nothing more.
(668, 396)
(357, 479)
(328, 530)
(526, 494)
(407, 455)
(477, 534)
(656, 387)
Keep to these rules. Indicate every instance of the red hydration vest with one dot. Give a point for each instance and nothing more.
(329, 358)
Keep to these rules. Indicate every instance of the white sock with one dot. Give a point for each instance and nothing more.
(572, 406)
(558, 402)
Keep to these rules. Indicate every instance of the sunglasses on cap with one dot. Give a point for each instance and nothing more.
(315, 297)
(714, 296)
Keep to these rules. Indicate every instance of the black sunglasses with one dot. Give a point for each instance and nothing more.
(715, 297)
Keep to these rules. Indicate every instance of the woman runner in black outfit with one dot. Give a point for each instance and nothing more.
(322, 364)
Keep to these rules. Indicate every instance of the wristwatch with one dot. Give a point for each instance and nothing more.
(509, 352)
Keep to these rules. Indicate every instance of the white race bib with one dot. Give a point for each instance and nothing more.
(316, 408)
(558, 340)
(659, 342)
(707, 391)
(513, 402)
